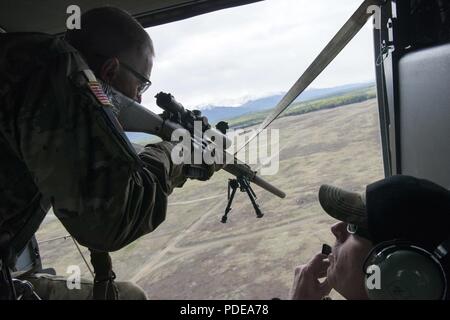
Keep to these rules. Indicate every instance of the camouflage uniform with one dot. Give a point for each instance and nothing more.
(61, 146)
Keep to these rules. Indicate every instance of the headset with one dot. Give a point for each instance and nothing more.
(407, 271)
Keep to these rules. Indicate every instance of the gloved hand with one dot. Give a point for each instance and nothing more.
(180, 172)
(201, 172)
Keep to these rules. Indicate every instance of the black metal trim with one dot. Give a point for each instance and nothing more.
(186, 10)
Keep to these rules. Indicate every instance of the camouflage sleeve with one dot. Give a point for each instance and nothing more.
(105, 194)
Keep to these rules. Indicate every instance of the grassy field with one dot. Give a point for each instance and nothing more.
(194, 256)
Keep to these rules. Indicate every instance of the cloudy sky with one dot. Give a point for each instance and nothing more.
(233, 55)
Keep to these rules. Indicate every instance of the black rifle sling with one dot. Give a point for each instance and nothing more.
(104, 285)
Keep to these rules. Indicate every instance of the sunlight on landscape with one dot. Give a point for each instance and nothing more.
(333, 137)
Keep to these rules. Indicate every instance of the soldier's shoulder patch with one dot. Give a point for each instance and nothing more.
(98, 92)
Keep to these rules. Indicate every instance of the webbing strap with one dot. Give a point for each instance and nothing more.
(104, 286)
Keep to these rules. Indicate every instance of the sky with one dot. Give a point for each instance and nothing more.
(234, 55)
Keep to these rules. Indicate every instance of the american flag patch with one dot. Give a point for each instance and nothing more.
(98, 92)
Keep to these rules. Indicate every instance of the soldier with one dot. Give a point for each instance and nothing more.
(62, 146)
(392, 242)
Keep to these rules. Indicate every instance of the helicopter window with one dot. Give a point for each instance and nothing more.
(235, 65)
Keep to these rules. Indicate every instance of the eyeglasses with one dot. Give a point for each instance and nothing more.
(145, 83)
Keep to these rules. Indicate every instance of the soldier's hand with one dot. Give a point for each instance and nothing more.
(201, 172)
(306, 284)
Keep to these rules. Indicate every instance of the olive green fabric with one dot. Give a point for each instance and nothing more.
(60, 147)
(50, 287)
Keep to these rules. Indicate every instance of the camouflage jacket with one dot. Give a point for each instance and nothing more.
(60, 146)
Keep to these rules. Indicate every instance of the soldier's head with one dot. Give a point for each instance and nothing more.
(392, 241)
(117, 49)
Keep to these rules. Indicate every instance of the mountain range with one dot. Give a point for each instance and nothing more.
(218, 113)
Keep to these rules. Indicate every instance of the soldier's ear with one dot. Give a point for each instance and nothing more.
(109, 70)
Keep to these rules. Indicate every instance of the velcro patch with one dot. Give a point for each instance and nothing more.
(98, 92)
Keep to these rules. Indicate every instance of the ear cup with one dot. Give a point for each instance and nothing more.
(407, 273)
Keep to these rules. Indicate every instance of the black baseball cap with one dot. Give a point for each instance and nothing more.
(396, 208)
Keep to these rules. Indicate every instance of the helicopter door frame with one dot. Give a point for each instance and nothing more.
(412, 61)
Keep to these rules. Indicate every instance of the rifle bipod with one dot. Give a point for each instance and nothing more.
(244, 185)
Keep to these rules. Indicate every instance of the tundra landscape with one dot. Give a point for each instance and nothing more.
(192, 255)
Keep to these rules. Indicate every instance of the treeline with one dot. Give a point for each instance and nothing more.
(308, 106)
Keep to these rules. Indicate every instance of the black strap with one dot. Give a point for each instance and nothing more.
(104, 286)
(7, 291)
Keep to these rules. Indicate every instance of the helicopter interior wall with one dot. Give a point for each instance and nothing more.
(50, 16)
(424, 78)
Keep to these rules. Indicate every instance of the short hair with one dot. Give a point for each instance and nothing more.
(108, 32)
